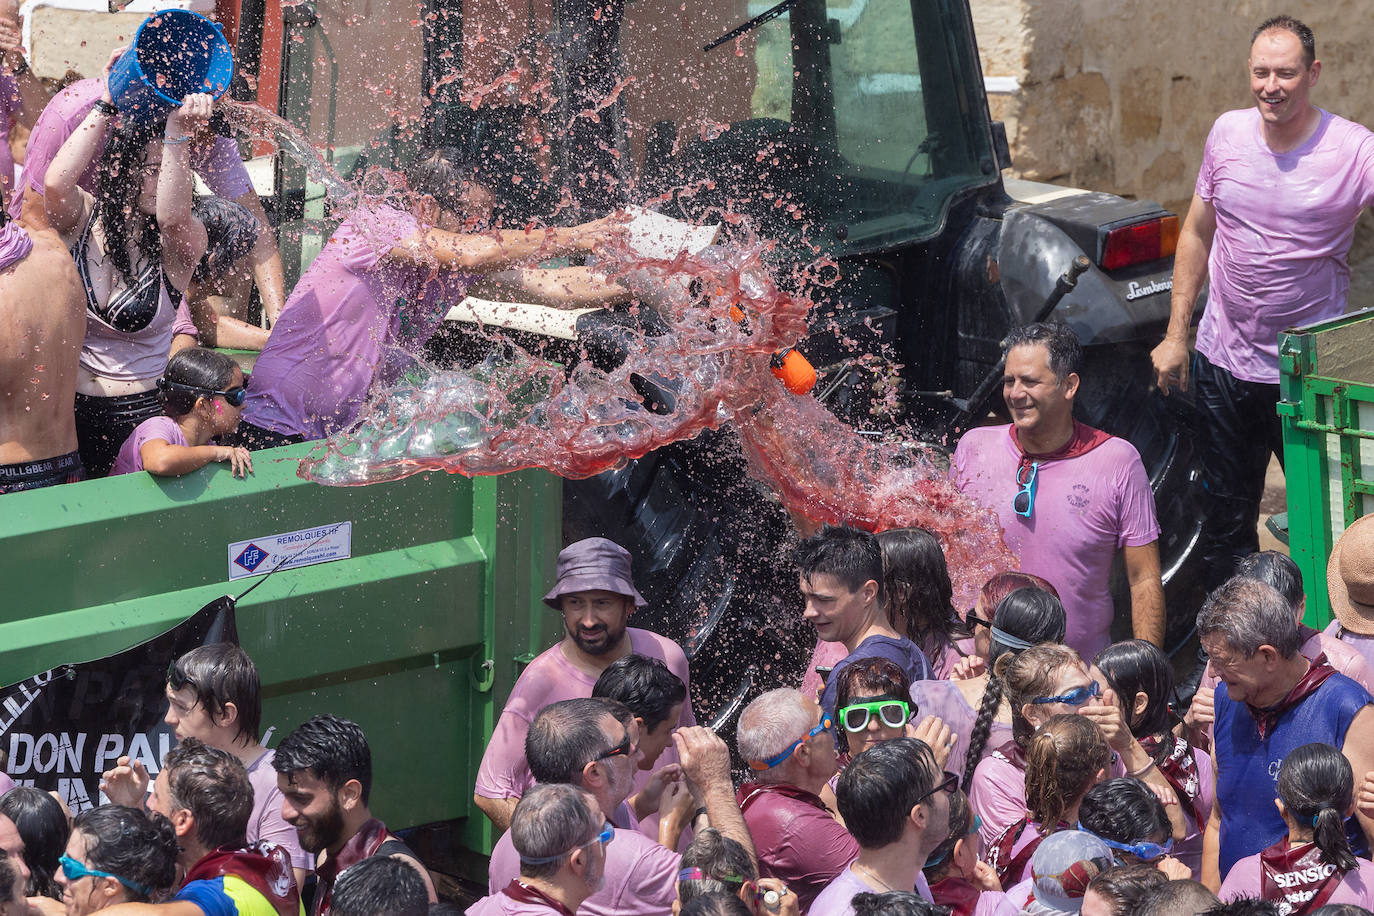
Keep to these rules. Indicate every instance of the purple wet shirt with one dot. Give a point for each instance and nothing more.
(1086, 509)
(217, 163)
(1284, 226)
(130, 457)
(344, 320)
(266, 822)
(10, 106)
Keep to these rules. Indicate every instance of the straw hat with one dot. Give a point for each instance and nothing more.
(1350, 577)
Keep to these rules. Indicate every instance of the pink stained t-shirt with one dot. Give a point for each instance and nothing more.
(11, 104)
(1284, 226)
(837, 899)
(1086, 509)
(266, 822)
(1244, 880)
(499, 904)
(943, 700)
(130, 459)
(550, 678)
(1361, 644)
(218, 163)
(350, 312)
(641, 876)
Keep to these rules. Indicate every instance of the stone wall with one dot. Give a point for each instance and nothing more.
(1118, 95)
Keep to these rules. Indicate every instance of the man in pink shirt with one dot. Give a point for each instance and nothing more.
(789, 745)
(561, 836)
(583, 742)
(1272, 218)
(1068, 496)
(596, 595)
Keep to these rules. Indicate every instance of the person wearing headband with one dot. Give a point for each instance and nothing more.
(561, 836)
(202, 394)
(716, 864)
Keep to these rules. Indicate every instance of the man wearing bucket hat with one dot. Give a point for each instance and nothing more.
(1350, 585)
(595, 594)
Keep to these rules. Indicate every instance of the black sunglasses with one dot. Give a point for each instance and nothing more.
(625, 747)
(949, 784)
(973, 620)
(176, 678)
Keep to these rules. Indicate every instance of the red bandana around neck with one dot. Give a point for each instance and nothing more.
(263, 866)
(1012, 753)
(1007, 866)
(955, 893)
(1268, 717)
(1297, 879)
(528, 893)
(1083, 440)
(1179, 767)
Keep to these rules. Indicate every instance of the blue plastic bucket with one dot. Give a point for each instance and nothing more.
(175, 53)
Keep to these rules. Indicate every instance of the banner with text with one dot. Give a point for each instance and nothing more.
(62, 728)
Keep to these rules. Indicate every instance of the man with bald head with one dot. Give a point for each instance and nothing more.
(42, 324)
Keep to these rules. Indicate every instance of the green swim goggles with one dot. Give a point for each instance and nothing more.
(892, 712)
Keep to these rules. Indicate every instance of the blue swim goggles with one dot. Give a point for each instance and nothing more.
(75, 871)
(1145, 852)
(761, 765)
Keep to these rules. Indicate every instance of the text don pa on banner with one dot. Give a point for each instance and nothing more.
(62, 728)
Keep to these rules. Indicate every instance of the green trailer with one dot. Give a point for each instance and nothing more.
(1327, 408)
(417, 634)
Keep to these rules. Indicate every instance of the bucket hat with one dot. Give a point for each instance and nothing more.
(1062, 867)
(594, 565)
(1350, 577)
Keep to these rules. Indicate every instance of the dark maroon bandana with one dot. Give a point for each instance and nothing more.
(1268, 717)
(1297, 879)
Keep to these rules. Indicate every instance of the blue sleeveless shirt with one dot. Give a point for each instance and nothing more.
(1248, 766)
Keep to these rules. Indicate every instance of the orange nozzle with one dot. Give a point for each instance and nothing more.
(737, 313)
(794, 371)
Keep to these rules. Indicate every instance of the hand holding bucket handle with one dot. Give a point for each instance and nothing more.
(188, 120)
(115, 55)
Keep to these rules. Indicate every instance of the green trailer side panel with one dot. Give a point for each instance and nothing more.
(1327, 411)
(415, 636)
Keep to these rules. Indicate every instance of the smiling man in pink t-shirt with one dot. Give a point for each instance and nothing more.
(1068, 496)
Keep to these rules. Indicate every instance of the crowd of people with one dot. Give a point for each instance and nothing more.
(1005, 758)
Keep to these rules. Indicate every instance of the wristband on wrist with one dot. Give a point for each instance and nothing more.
(1136, 774)
(699, 813)
(106, 108)
(21, 68)
(177, 141)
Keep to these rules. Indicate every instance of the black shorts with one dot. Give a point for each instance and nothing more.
(255, 438)
(46, 472)
(102, 425)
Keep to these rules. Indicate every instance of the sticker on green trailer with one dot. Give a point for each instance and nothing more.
(290, 550)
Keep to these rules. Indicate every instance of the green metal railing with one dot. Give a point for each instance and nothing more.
(1327, 409)
(415, 636)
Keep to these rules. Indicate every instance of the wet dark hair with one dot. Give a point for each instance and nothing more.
(566, 736)
(380, 886)
(1124, 810)
(1316, 785)
(960, 826)
(213, 785)
(715, 905)
(441, 173)
(199, 368)
(895, 903)
(1182, 895)
(1276, 570)
(1138, 666)
(1125, 887)
(118, 183)
(870, 677)
(643, 684)
(42, 825)
(332, 748)
(849, 554)
(1244, 906)
(1340, 909)
(920, 596)
(133, 844)
(1031, 614)
(726, 863)
(223, 673)
(879, 787)
(1066, 353)
(1297, 27)
(231, 231)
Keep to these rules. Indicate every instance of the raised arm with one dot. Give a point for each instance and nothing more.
(497, 250)
(563, 287)
(66, 204)
(1190, 270)
(183, 235)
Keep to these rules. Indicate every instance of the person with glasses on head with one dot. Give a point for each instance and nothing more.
(1042, 682)
(214, 695)
(1068, 497)
(957, 875)
(1142, 678)
(716, 864)
(591, 743)
(1126, 814)
(595, 595)
(202, 393)
(895, 801)
(789, 746)
(116, 854)
(1067, 756)
(563, 843)
(973, 707)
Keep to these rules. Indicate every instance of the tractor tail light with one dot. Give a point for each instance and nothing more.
(1140, 243)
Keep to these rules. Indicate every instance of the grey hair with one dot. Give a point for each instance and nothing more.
(772, 722)
(1247, 614)
(551, 820)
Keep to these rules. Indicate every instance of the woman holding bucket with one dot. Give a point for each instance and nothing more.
(136, 243)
